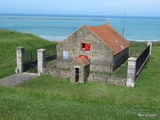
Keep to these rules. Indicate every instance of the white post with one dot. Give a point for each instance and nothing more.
(150, 43)
(131, 73)
(20, 58)
(41, 53)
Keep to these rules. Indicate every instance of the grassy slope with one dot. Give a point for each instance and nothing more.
(48, 97)
(9, 40)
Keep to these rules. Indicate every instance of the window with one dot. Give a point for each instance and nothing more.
(85, 46)
(65, 54)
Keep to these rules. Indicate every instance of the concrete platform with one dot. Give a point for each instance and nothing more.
(16, 79)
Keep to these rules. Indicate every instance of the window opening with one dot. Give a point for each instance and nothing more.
(65, 54)
(85, 46)
(76, 74)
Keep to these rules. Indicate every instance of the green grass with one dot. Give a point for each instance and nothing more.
(121, 72)
(9, 40)
(135, 47)
(47, 97)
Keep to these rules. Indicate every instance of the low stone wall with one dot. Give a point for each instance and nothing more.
(98, 77)
(57, 72)
(136, 54)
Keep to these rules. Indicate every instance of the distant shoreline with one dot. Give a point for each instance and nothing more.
(52, 38)
(58, 38)
(107, 19)
(58, 27)
(61, 38)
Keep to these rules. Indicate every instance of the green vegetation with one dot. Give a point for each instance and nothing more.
(47, 97)
(135, 47)
(9, 40)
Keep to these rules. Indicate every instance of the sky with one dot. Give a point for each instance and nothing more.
(82, 7)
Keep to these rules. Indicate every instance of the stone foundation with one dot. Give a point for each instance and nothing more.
(57, 72)
(96, 77)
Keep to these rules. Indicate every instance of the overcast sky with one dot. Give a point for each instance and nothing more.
(83, 7)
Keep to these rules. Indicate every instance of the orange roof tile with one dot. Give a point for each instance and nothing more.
(82, 60)
(110, 37)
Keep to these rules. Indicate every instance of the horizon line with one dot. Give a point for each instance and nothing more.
(75, 15)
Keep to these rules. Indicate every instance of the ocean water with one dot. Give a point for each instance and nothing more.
(58, 27)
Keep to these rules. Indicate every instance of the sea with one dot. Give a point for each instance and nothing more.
(58, 27)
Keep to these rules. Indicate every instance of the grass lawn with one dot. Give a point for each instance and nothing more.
(9, 40)
(47, 97)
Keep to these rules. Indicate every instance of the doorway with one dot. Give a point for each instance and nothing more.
(76, 74)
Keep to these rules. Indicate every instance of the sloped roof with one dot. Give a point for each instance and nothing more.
(110, 37)
(84, 61)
